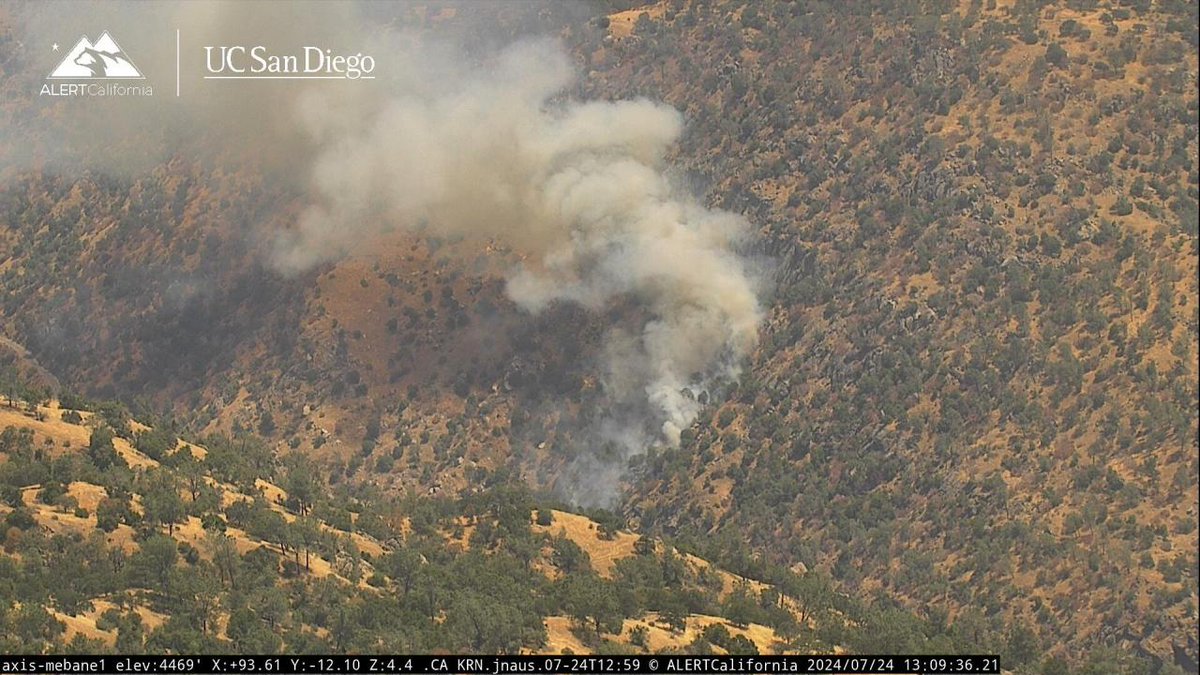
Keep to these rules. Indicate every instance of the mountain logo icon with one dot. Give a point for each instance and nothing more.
(102, 60)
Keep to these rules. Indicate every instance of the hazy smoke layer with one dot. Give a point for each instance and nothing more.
(487, 145)
(578, 187)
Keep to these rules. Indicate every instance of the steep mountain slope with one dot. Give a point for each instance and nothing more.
(979, 380)
(139, 541)
(976, 387)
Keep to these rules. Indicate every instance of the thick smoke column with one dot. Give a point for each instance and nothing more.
(439, 143)
(579, 188)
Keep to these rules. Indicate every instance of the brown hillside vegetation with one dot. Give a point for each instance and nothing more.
(978, 385)
(75, 511)
(605, 549)
(50, 431)
(973, 398)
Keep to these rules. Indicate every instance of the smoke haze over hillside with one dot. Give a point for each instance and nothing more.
(578, 188)
(489, 148)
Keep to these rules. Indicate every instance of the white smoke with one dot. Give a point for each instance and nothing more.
(443, 143)
(578, 187)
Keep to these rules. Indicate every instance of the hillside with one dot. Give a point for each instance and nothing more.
(140, 541)
(969, 422)
(978, 384)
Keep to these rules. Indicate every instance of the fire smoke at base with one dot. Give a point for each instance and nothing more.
(578, 187)
(490, 147)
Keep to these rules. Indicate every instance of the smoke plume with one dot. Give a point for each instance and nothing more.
(447, 141)
(580, 188)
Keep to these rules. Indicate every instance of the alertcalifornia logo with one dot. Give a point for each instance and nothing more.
(103, 68)
(95, 69)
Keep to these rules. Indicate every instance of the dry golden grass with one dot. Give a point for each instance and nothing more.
(585, 533)
(49, 427)
(604, 552)
(560, 639)
(85, 623)
(85, 626)
(56, 521)
(88, 496)
(273, 493)
(53, 433)
(621, 24)
(197, 451)
(659, 635)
